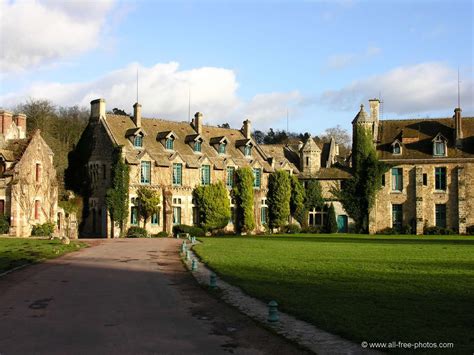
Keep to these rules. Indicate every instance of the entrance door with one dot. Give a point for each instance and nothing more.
(342, 224)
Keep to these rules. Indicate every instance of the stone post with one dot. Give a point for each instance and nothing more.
(462, 208)
(419, 215)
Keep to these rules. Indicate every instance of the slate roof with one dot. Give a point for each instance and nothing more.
(416, 137)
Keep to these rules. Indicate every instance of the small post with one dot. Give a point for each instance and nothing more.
(188, 255)
(183, 247)
(273, 311)
(194, 265)
(177, 235)
(193, 240)
(213, 281)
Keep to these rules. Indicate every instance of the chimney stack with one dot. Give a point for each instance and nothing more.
(374, 109)
(197, 122)
(246, 129)
(458, 126)
(97, 109)
(5, 120)
(137, 114)
(20, 121)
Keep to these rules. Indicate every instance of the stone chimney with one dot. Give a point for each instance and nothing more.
(137, 114)
(374, 109)
(458, 126)
(197, 122)
(97, 109)
(5, 120)
(300, 145)
(246, 129)
(20, 121)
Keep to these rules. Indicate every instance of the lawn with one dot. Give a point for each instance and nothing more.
(15, 252)
(373, 288)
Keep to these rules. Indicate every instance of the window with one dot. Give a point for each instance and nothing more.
(138, 141)
(155, 218)
(440, 179)
(397, 149)
(247, 150)
(222, 147)
(440, 215)
(104, 172)
(397, 217)
(383, 179)
(134, 215)
(2, 207)
(205, 174)
(264, 212)
(230, 176)
(176, 215)
(439, 147)
(145, 172)
(307, 161)
(169, 144)
(177, 174)
(425, 179)
(197, 146)
(37, 209)
(195, 216)
(257, 178)
(397, 179)
(37, 172)
(317, 217)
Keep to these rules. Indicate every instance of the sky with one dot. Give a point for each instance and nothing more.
(313, 62)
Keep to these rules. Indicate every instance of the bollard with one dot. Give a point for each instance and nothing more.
(213, 281)
(193, 240)
(188, 255)
(183, 247)
(194, 265)
(189, 236)
(177, 235)
(272, 311)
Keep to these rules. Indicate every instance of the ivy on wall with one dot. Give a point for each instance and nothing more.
(244, 198)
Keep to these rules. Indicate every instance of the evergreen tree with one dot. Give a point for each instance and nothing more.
(149, 202)
(332, 222)
(244, 196)
(314, 195)
(278, 198)
(213, 205)
(117, 195)
(298, 195)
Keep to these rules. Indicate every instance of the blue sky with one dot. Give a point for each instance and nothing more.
(241, 59)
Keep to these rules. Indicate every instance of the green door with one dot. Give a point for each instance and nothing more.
(342, 224)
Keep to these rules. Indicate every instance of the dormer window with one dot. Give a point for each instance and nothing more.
(396, 148)
(169, 144)
(138, 141)
(247, 150)
(439, 146)
(222, 148)
(197, 146)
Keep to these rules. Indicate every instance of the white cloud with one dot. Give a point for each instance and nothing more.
(35, 33)
(340, 61)
(163, 92)
(421, 88)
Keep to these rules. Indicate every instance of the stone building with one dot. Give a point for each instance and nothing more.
(28, 186)
(174, 157)
(431, 176)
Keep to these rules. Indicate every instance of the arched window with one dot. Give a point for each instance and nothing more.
(396, 148)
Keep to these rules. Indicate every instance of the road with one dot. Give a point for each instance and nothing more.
(124, 296)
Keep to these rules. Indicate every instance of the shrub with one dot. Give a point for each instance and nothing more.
(292, 228)
(470, 230)
(212, 201)
(437, 231)
(312, 230)
(44, 229)
(332, 222)
(387, 231)
(4, 224)
(162, 234)
(193, 231)
(244, 196)
(407, 229)
(278, 198)
(137, 232)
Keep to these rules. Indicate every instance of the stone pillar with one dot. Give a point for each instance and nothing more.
(462, 207)
(372, 227)
(419, 215)
(167, 211)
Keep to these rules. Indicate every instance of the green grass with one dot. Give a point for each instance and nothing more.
(373, 288)
(16, 252)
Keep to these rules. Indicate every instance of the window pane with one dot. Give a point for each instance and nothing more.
(197, 146)
(176, 215)
(145, 172)
(440, 216)
(205, 175)
(230, 176)
(222, 148)
(397, 216)
(177, 171)
(257, 174)
(169, 143)
(440, 178)
(397, 179)
(439, 148)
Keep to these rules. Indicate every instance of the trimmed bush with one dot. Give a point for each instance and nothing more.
(162, 234)
(278, 198)
(4, 224)
(43, 230)
(387, 231)
(407, 229)
(470, 230)
(244, 196)
(437, 231)
(292, 228)
(332, 222)
(137, 232)
(212, 202)
(191, 230)
(312, 230)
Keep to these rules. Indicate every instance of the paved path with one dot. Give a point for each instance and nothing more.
(122, 297)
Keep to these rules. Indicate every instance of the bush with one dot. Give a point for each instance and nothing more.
(162, 234)
(44, 229)
(278, 198)
(470, 230)
(387, 231)
(312, 230)
(137, 232)
(4, 224)
(437, 231)
(212, 202)
(332, 222)
(193, 231)
(407, 229)
(292, 229)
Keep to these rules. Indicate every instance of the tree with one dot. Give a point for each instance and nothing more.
(278, 198)
(117, 195)
(244, 196)
(314, 195)
(258, 136)
(332, 222)
(341, 136)
(357, 194)
(297, 199)
(148, 202)
(224, 125)
(213, 205)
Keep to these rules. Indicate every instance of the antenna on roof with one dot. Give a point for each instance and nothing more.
(459, 91)
(189, 103)
(381, 105)
(287, 129)
(137, 83)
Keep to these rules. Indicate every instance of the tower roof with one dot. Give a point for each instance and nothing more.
(361, 116)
